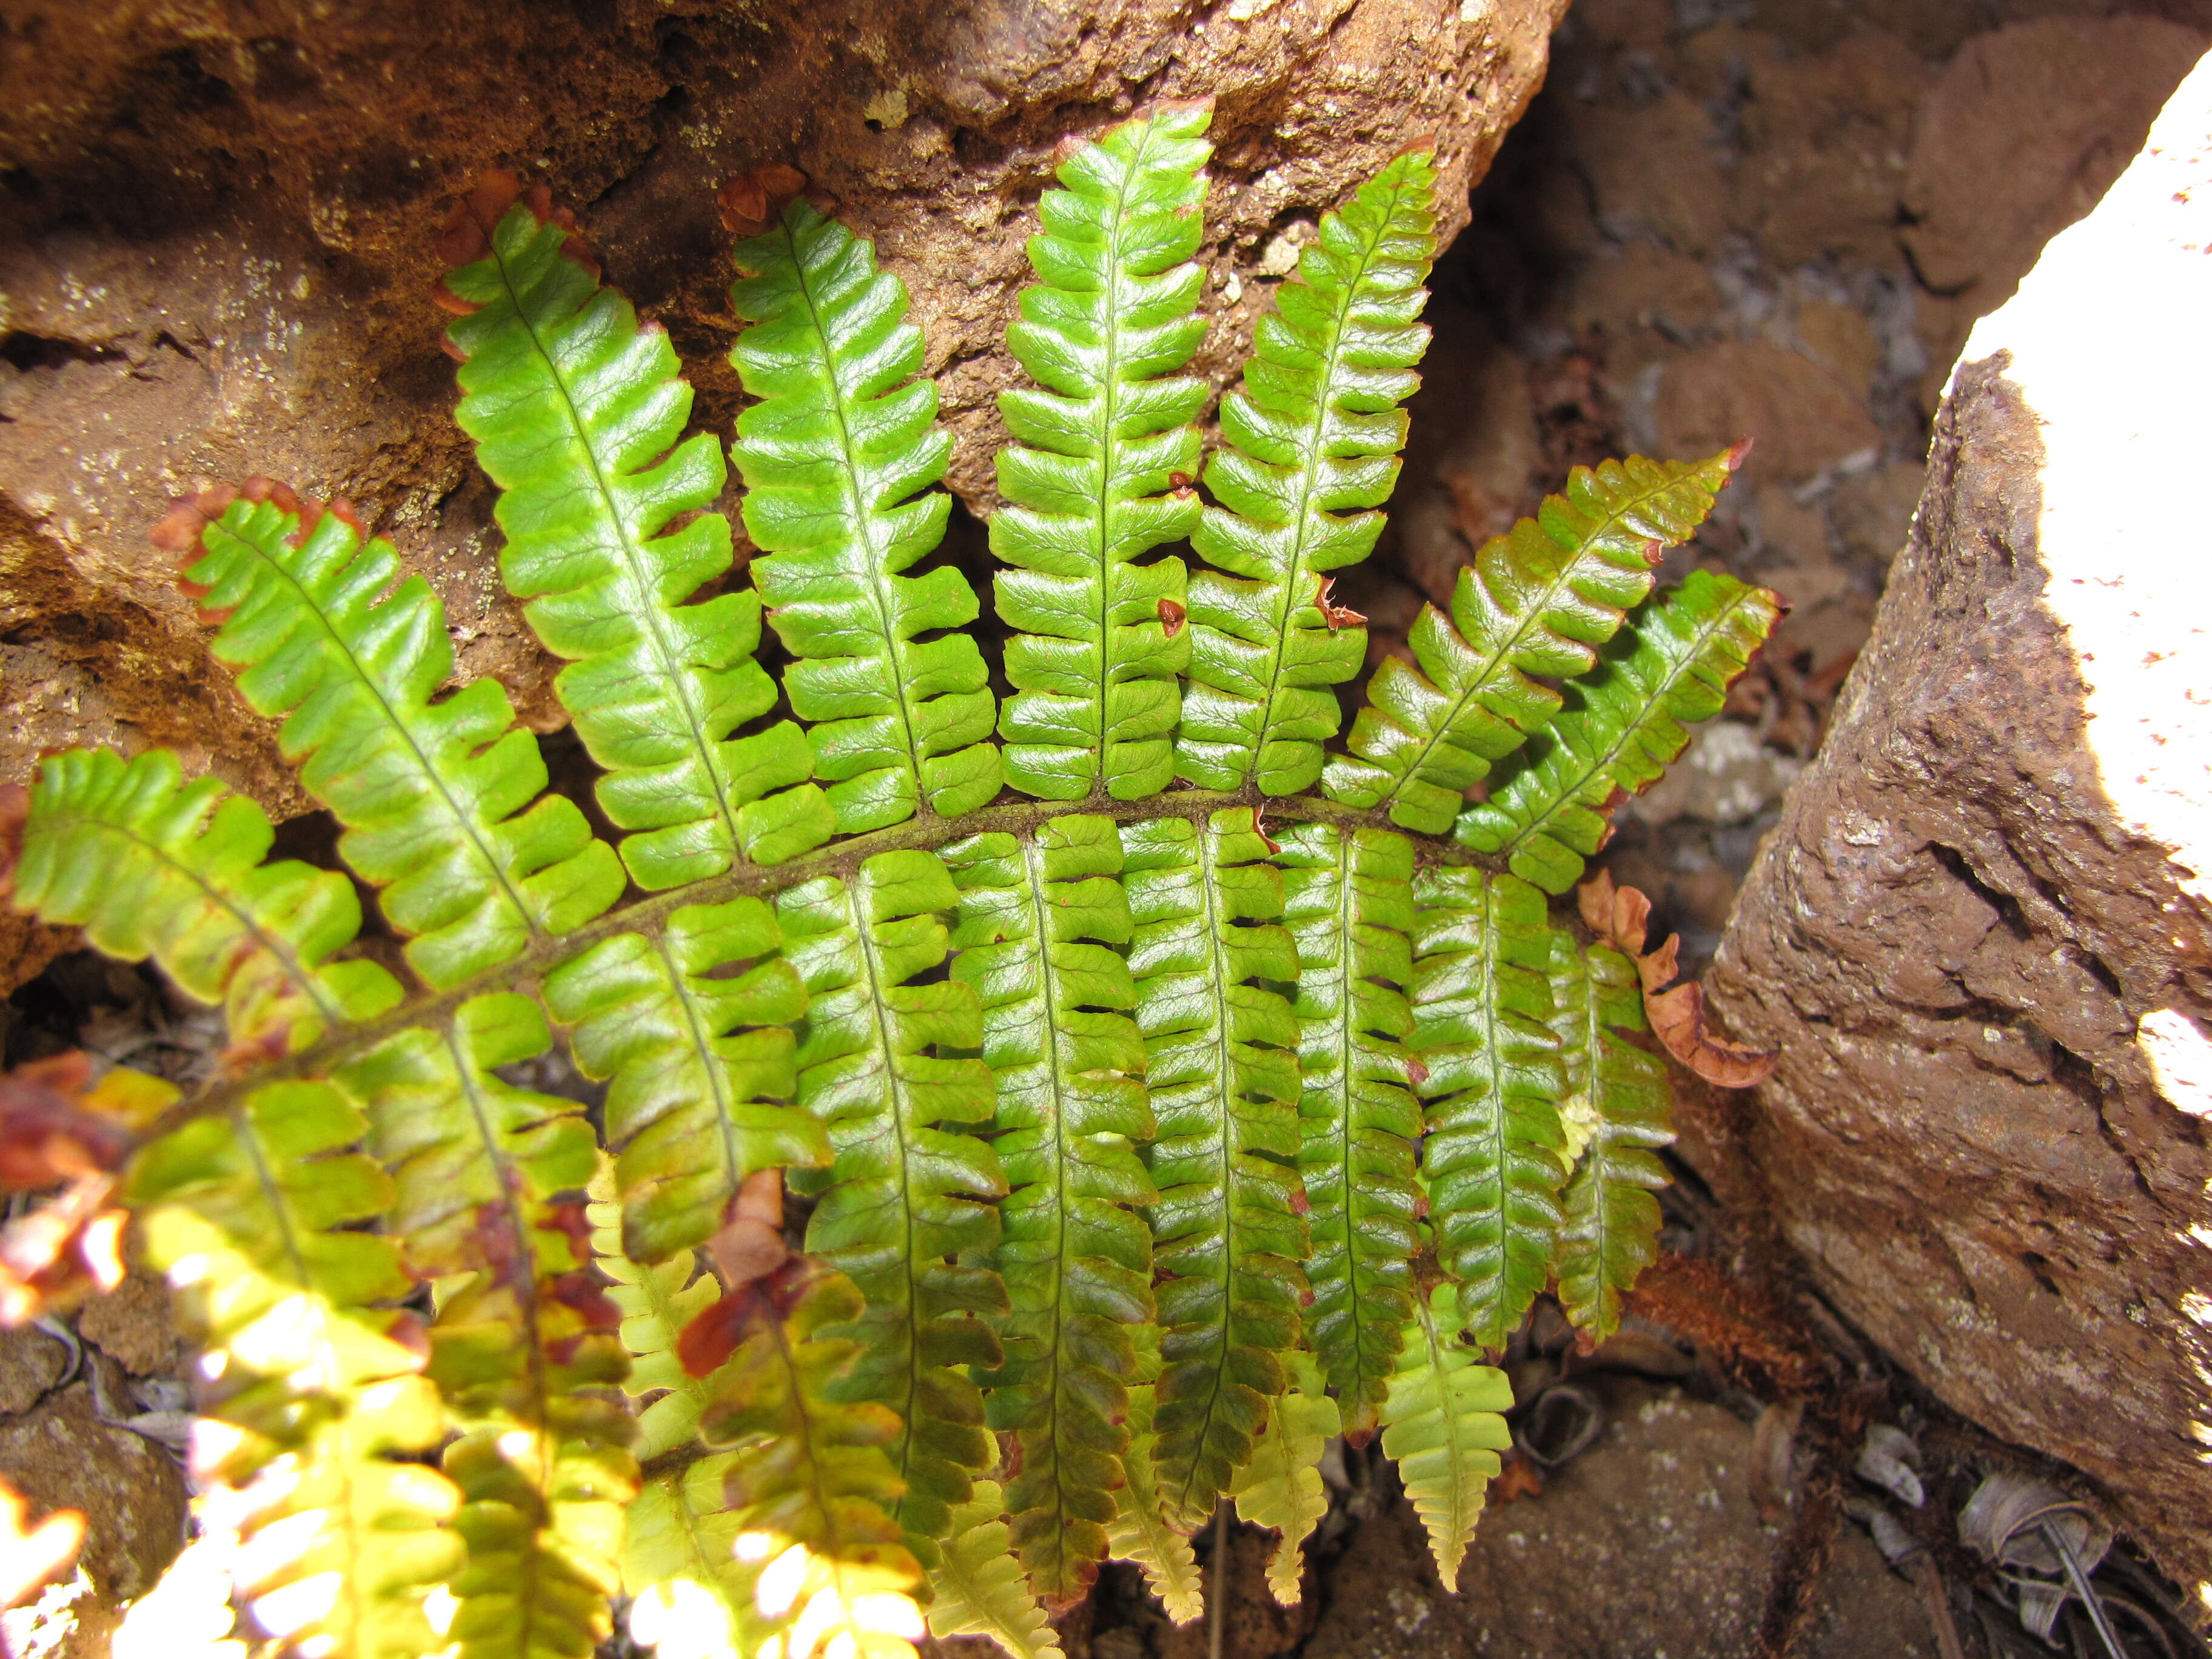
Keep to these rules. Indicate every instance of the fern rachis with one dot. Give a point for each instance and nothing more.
(1136, 1122)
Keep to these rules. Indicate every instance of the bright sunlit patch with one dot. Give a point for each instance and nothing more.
(780, 1583)
(753, 1545)
(682, 1619)
(439, 1608)
(296, 1607)
(517, 1445)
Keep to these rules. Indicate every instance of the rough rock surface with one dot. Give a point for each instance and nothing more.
(1981, 937)
(216, 220)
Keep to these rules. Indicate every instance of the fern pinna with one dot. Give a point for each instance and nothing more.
(1148, 1136)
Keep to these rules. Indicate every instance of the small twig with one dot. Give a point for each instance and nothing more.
(1939, 1610)
(1217, 1590)
(2091, 1603)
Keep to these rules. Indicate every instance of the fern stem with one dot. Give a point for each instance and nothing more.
(925, 829)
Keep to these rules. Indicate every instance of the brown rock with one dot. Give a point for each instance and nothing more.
(1802, 418)
(1790, 534)
(1474, 458)
(1931, 28)
(61, 1455)
(1827, 137)
(1980, 936)
(215, 247)
(1653, 1531)
(133, 1323)
(30, 1362)
(2023, 133)
(1653, 170)
(1643, 304)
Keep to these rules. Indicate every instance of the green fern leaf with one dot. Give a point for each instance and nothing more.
(577, 409)
(1039, 926)
(309, 1411)
(907, 1194)
(656, 1303)
(1097, 475)
(152, 867)
(1611, 1231)
(1444, 1426)
(691, 1596)
(1539, 600)
(1310, 450)
(1221, 1048)
(521, 1346)
(443, 801)
(1139, 1531)
(978, 1590)
(1281, 1487)
(1627, 724)
(1490, 1161)
(1348, 902)
(699, 1064)
(811, 1487)
(834, 456)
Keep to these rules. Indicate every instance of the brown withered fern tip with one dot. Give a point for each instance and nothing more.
(751, 202)
(52, 1134)
(1622, 917)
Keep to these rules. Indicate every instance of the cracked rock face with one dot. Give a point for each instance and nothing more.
(216, 225)
(1981, 936)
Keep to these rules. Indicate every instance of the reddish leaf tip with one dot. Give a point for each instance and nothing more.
(1737, 452)
(749, 203)
(1172, 616)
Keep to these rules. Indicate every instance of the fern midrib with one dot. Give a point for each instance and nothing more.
(718, 1081)
(1501, 1146)
(532, 1338)
(880, 1014)
(643, 602)
(395, 722)
(300, 977)
(830, 1546)
(1308, 484)
(1347, 920)
(1224, 1075)
(1108, 443)
(1652, 698)
(925, 830)
(1033, 869)
(1592, 1035)
(1480, 680)
(871, 572)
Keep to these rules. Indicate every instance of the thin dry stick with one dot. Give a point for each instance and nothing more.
(1217, 1576)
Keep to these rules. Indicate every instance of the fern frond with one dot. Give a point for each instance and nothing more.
(1611, 1231)
(443, 800)
(1627, 724)
(1221, 1051)
(1040, 924)
(523, 1338)
(1310, 450)
(1444, 1423)
(577, 411)
(1099, 470)
(978, 1588)
(1348, 902)
(656, 1303)
(834, 456)
(1139, 1531)
(810, 1484)
(1281, 1487)
(153, 866)
(1538, 599)
(311, 1413)
(1490, 1161)
(907, 1194)
(688, 1026)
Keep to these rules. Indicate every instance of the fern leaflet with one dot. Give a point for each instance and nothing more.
(1311, 437)
(833, 456)
(1444, 1423)
(1492, 1158)
(1538, 599)
(576, 410)
(1611, 1230)
(1037, 933)
(1281, 1487)
(1098, 473)
(978, 1589)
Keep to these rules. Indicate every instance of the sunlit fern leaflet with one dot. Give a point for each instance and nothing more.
(1152, 1136)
